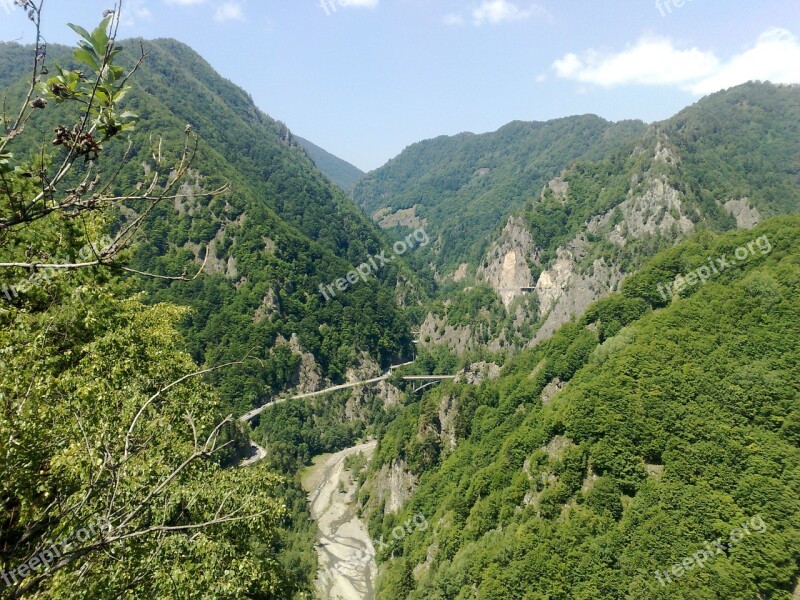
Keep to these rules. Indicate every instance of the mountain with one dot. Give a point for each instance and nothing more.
(339, 171)
(610, 312)
(269, 244)
(279, 233)
(652, 432)
(732, 159)
(282, 232)
(461, 188)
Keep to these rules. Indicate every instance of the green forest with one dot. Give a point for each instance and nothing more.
(678, 422)
(163, 247)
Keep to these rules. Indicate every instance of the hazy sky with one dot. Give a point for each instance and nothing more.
(366, 78)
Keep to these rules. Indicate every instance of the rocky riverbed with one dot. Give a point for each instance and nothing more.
(346, 554)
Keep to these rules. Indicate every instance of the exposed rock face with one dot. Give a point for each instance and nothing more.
(461, 272)
(554, 282)
(425, 566)
(269, 245)
(358, 404)
(230, 269)
(185, 200)
(560, 187)
(267, 308)
(477, 372)
(554, 450)
(406, 292)
(447, 422)
(571, 281)
(402, 218)
(308, 375)
(572, 293)
(589, 480)
(393, 484)
(361, 398)
(390, 394)
(665, 153)
(216, 262)
(653, 470)
(564, 292)
(551, 389)
(657, 210)
(556, 447)
(435, 331)
(506, 267)
(366, 369)
(746, 216)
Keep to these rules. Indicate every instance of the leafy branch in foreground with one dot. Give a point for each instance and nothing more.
(99, 421)
(103, 417)
(73, 190)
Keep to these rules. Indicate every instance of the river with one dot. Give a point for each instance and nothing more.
(346, 555)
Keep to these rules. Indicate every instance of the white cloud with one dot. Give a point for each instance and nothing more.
(651, 61)
(499, 11)
(658, 61)
(775, 57)
(134, 11)
(453, 19)
(229, 11)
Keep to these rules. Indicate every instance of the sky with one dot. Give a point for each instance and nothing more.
(366, 78)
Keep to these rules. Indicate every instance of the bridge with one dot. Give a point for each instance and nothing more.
(431, 379)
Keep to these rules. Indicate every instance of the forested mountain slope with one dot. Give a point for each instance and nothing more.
(119, 459)
(283, 231)
(463, 187)
(339, 171)
(730, 160)
(650, 430)
(280, 232)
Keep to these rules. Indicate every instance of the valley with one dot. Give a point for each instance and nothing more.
(582, 380)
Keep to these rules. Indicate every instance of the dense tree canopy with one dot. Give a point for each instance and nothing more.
(678, 424)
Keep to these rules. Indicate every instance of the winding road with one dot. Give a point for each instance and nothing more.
(258, 454)
(257, 411)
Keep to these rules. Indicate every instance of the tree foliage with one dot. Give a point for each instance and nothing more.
(676, 424)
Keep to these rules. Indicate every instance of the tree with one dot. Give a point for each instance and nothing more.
(111, 445)
(73, 192)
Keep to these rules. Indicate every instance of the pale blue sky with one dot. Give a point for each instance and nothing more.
(372, 76)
